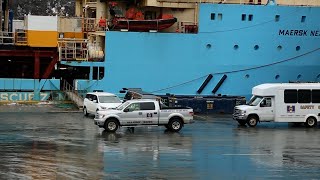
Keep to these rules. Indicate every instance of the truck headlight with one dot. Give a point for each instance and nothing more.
(242, 112)
(100, 116)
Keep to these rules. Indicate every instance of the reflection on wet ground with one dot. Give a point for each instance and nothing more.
(40, 145)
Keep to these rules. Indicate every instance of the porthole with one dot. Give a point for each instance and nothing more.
(256, 47)
(298, 48)
(244, 17)
(208, 46)
(299, 76)
(213, 16)
(277, 76)
(247, 76)
(250, 17)
(236, 47)
(279, 47)
(318, 76)
(277, 18)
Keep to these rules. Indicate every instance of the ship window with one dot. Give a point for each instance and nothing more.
(244, 16)
(304, 96)
(303, 18)
(277, 76)
(277, 18)
(279, 47)
(250, 17)
(236, 47)
(290, 96)
(316, 96)
(213, 16)
(256, 47)
(298, 48)
(247, 76)
(220, 16)
(208, 46)
(299, 76)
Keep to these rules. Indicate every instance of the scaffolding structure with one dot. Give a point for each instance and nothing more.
(89, 25)
(6, 38)
(72, 49)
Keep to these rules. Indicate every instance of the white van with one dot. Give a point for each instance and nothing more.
(95, 101)
(287, 102)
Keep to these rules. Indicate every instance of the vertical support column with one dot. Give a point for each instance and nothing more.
(36, 77)
(79, 8)
(6, 17)
(36, 74)
(1, 13)
(98, 75)
(91, 72)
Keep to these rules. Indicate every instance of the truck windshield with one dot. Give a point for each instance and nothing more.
(122, 106)
(255, 100)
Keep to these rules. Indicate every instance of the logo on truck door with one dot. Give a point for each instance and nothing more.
(149, 115)
(291, 109)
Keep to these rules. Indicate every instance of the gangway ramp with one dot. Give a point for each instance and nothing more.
(72, 94)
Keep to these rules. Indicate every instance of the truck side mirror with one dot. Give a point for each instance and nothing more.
(94, 101)
(126, 110)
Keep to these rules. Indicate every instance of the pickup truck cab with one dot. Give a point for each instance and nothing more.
(143, 112)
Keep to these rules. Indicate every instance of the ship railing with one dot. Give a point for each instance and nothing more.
(89, 24)
(21, 37)
(79, 50)
(6, 38)
(188, 27)
(91, 2)
(217, 1)
(72, 49)
(73, 94)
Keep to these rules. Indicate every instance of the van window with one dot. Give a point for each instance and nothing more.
(255, 100)
(94, 97)
(266, 102)
(316, 96)
(290, 96)
(147, 106)
(304, 96)
(88, 96)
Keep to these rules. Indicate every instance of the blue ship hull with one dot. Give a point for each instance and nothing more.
(249, 44)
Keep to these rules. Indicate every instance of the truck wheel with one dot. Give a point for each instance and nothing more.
(175, 125)
(311, 122)
(85, 112)
(252, 121)
(111, 125)
(242, 123)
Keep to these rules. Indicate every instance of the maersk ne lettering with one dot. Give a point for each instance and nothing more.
(293, 32)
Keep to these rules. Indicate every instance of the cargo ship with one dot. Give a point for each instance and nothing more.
(181, 47)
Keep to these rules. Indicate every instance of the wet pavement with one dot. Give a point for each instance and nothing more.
(43, 144)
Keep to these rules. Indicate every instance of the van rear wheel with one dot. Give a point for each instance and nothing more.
(252, 121)
(311, 122)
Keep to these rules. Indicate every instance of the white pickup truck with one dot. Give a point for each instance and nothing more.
(143, 112)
